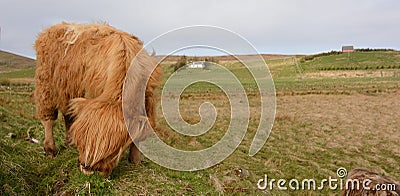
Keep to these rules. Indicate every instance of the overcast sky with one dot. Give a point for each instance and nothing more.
(280, 26)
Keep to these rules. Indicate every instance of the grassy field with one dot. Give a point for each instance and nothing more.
(355, 61)
(324, 120)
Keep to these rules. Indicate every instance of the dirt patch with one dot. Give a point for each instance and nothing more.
(22, 80)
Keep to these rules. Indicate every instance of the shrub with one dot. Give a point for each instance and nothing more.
(5, 82)
(311, 57)
(180, 63)
(373, 49)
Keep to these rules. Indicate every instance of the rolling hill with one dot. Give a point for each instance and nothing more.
(370, 60)
(11, 62)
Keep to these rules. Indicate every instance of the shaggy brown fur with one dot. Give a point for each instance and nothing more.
(80, 71)
(374, 179)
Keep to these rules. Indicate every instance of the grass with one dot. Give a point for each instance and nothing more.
(315, 85)
(355, 61)
(22, 73)
(322, 123)
(287, 79)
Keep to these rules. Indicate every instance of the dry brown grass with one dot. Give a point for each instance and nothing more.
(313, 135)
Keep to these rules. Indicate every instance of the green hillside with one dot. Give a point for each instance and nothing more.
(354, 61)
(10, 62)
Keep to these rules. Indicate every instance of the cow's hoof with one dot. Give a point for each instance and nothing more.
(135, 160)
(50, 153)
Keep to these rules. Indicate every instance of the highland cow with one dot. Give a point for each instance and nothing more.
(80, 72)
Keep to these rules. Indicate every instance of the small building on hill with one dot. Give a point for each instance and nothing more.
(197, 65)
(348, 49)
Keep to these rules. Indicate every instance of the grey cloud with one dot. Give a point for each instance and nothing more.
(284, 26)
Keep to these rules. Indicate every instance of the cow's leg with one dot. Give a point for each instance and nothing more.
(68, 122)
(49, 145)
(134, 154)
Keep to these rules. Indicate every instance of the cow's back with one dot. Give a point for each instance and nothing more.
(81, 60)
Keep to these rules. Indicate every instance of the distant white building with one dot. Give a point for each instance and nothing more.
(197, 65)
